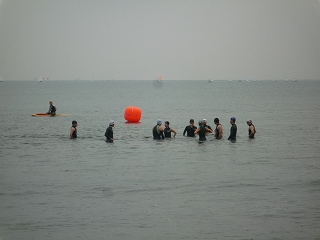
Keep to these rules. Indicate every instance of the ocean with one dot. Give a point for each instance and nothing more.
(53, 187)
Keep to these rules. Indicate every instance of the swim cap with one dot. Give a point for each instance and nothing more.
(159, 121)
(200, 123)
(204, 120)
(191, 120)
(166, 122)
(74, 122)
(249, 120)
(216, 120)
(233, 119)
(111, 122)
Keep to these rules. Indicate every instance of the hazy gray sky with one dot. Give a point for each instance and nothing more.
(141, 39)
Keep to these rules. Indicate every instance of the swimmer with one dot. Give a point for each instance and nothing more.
(157, 131)
(252, 129)
(190, 129)
(109, 132)
(205, 124)
(218, 130)
(73, 130)
(202, 130)
(233, 130)
(168, 130)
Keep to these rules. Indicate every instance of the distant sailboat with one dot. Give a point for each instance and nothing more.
(159, 78)
(209, 80)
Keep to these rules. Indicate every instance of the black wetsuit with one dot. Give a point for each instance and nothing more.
(202, 133)
(217, 131)
(52, 110)
(233, 132)
(74, 133)
(254, 129)
(157, 135)
(207, 126)
(109, 134)
(190, 131)
(167, 132)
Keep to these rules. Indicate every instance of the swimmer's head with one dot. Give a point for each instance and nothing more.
(249, 120)
(159, 122)
(166, 122)
(200, 123)
(191, 121)
(111, 123)
(216, 120)
(233, 119)
(74, 122)
(204, 120)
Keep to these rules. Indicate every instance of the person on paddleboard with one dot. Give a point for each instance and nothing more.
(109, 132)
(52, 109)
(73, 130)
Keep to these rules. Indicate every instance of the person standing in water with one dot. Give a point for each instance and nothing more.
(202, 130)
(218, 130)
(73, 130)
(252, 129)
(52, 109)
(109, 132)
(168, 130)
(157, 131)
(205, 124)
(190, 129)
(233, 130)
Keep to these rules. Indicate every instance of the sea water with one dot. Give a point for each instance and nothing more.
(53, 187)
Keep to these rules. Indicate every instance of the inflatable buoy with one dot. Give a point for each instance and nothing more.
(132, 114)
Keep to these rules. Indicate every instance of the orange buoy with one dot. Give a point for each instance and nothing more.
(132, 114)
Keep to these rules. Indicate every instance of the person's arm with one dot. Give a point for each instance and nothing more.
(208, 130)
(160, 129)
(184, 132)
(72, 129)
(196, 131)
(175, 133)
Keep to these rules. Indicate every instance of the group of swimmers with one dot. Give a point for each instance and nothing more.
(161, 133)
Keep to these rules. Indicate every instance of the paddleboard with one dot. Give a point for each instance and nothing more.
(48, 115)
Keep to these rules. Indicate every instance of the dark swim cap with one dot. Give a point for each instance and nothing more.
(191, 120)
(74, 122)
(166, 122)
(216, 120)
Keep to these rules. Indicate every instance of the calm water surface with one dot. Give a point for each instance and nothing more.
(137, 188)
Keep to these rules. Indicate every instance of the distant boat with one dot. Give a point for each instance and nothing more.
(40, 79)
(159, 78)
(209, 80)
(294, 80)
(230, 80)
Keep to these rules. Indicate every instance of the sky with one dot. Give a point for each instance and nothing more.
(142, 39)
